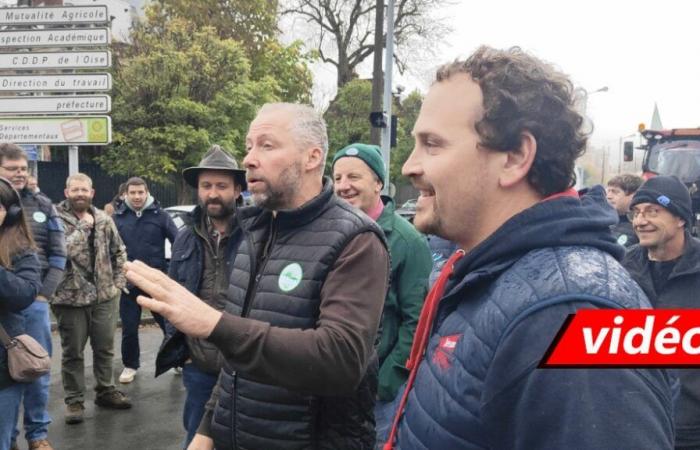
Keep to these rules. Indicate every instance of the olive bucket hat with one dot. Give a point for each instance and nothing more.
(215, 159)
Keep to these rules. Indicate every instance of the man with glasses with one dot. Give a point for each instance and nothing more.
(666, 264)
(47, 230)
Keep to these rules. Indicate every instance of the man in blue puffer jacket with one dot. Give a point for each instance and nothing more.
(496, 141)
(144, 227)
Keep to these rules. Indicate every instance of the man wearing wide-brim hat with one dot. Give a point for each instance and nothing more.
(201, 258)
(215, 159)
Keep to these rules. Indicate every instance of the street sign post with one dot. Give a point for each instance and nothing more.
(31, 118)
(72, 130)
(59, 104)
(101, 59)
(65, 15)
(74, 37)
(92, 82)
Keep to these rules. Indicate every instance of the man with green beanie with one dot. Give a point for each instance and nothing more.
(358, 177)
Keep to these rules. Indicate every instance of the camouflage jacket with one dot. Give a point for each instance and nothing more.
(79, 287)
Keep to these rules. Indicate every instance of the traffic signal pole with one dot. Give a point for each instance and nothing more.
(388, 70)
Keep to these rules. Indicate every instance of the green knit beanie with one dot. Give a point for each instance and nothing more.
(370, 154)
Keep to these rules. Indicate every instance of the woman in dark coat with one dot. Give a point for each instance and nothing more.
(20, 275)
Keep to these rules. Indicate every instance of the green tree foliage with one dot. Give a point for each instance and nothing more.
(347, 118)
(178, 88)
(251, 22)
(407, 111)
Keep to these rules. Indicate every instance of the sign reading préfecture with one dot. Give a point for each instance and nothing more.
(101, 59)
(64, 15)
(58, 104)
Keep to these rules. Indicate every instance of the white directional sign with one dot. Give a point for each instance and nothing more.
(65, 15)
(95, 130)
(101, 59)
(59, 104)
(93, 82)
(55, 38)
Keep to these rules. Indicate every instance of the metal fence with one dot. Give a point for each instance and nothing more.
(52, 181)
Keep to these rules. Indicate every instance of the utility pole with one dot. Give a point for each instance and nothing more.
(388, 70)
(377, 74)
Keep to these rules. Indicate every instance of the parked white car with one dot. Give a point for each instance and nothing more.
(178, 214)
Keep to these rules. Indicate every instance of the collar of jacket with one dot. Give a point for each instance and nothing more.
(151, 204)
(563, 221)
(201, 223)
(289, 218)
(688, 263)
(386, 218)
(65, 206)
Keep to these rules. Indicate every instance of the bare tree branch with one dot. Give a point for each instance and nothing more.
(417, 31)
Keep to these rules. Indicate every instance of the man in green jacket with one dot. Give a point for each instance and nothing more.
(358, 177)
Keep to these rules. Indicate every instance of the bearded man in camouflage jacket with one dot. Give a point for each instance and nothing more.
(85, 303)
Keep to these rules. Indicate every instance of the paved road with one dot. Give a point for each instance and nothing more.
(153, 423)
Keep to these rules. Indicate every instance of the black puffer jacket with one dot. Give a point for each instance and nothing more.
(47, 229)
(277, 278)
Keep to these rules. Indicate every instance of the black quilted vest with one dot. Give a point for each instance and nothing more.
(254, 415)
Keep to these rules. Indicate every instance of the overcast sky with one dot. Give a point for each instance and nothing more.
(644, 51)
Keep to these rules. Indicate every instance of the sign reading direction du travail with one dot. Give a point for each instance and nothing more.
(73, 82)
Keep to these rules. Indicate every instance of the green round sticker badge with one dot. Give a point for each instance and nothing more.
(290, 277)
(39, 217)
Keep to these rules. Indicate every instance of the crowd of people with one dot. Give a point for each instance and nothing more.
(319, 318)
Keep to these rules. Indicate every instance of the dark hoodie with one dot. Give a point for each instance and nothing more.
(478, 385)
(144, 232)
(680, 291)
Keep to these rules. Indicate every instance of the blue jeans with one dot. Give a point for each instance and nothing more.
(198, 385)
(130, 314)
(10, 398)
(36, 393)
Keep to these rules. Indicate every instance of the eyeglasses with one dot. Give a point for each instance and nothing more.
(648, 213)
(20, 169)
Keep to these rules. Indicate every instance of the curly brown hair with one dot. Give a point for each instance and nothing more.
(522, 93)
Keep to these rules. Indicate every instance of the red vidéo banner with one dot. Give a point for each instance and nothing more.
(627, 338)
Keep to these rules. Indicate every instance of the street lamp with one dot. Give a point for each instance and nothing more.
(584, 107)
(585, 94)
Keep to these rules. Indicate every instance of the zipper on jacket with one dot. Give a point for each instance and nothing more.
(234, 412)
(253, 284)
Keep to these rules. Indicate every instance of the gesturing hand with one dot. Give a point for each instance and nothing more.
(168, 298)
